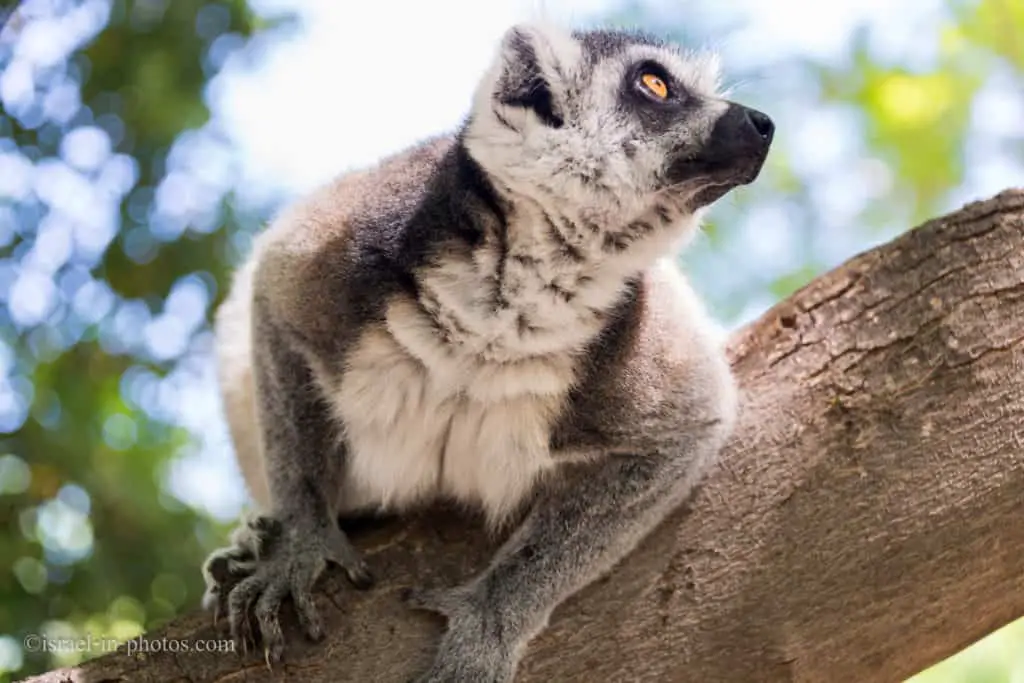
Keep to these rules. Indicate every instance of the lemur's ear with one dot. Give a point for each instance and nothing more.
(535, 60)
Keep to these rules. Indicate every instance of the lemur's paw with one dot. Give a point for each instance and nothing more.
(225, 567)
(270, 561)
(469, 654)
(474, 648)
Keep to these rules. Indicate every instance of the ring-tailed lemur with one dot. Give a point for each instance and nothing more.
(493, 317)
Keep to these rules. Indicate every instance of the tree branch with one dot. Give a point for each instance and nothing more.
(865, 522)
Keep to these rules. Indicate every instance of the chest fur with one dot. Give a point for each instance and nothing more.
(422, 420)
(455, 394)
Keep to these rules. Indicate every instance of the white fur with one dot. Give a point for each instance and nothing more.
(423, 421)
(235, 378)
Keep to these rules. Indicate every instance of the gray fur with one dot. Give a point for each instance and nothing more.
(495, 318)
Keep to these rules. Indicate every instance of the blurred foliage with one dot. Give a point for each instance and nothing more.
(101, 219)
(119, 223)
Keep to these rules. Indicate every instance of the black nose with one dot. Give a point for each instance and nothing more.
(762, 124)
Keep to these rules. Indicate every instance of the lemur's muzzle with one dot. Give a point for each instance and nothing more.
(733, 154)
(739, 143)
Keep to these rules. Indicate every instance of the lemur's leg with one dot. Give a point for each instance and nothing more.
(283, 552)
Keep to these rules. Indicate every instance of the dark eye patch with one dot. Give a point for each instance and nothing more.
(655, 114)
(676, 91)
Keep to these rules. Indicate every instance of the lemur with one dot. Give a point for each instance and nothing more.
(493, 317)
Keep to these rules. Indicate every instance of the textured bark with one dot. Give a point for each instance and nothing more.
(865, 522)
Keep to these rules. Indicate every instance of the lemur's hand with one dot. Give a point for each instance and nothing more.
(269, 560)
(474, 649)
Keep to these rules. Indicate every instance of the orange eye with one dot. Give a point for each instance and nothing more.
(655, 85)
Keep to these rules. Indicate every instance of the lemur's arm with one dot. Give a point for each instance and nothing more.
(576, 532)
(284, 551)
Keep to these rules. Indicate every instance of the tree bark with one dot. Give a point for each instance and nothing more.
(864, 523)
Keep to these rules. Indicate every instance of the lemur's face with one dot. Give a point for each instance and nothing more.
(613, 122)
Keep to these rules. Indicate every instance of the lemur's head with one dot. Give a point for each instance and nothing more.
(611, 121)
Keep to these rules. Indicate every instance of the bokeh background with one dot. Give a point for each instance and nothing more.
(144, 142)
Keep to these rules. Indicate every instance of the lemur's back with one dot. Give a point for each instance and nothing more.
(335, 212)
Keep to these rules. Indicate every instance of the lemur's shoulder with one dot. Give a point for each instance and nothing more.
(357, 207)
(660, 351)
(342, 237)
